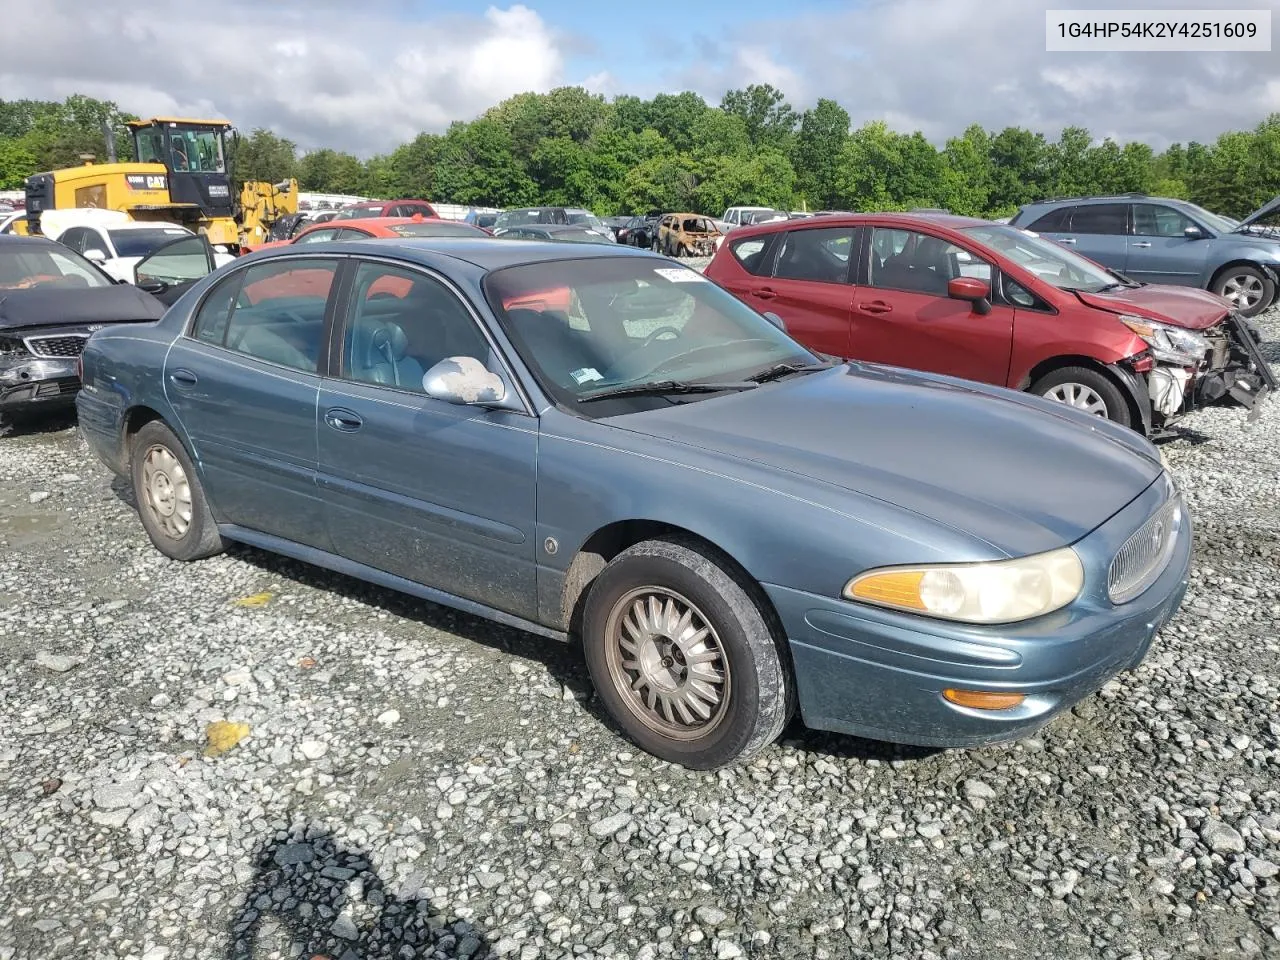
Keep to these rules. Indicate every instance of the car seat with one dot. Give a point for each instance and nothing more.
(378, 355)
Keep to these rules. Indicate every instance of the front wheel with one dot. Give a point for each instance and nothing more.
(171, 501)
(683, 658)
(1248, 288)
(1086, 390)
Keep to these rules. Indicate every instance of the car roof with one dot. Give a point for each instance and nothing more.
(487, 253)
(13, 240)
(905, 220)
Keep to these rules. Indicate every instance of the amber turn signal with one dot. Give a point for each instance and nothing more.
(983, 699)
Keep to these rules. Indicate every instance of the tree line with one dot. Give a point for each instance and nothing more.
(676, 151)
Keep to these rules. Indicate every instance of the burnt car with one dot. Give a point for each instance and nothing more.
(687, 235)
(52, 300)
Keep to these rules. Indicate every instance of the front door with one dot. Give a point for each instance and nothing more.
(244, 386)
(1159, 249)
(434, 492)
(903, 316)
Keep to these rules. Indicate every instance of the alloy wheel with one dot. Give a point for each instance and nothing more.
(667, 663)
(1244, 290)
(1078, 395)
(166, 491)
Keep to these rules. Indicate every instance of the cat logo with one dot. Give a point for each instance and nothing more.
(146, 181)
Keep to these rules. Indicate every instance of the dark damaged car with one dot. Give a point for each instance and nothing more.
(52, 300)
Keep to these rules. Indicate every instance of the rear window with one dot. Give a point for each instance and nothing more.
(436, 230)
(753, 254)
(1055, 221)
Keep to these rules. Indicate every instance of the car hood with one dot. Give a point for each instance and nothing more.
(122, 303)
(1264, 211)
(995, 465)
(1179, 306)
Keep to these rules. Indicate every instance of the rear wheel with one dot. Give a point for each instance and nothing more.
(683, 658)
(171, 501)
(1086, 390)
(1248, 288)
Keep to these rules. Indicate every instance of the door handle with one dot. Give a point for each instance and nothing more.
(1144, 244)
(343, 420)
(764, 293)
(183, 378)
(875, 306)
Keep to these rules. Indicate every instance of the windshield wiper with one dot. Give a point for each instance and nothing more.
(659, 387)
(779, 370)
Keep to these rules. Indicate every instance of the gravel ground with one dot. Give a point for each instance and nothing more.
(412, 782)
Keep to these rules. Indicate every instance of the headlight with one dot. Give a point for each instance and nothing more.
(999, 591)
(11, 347)
(1171, 344)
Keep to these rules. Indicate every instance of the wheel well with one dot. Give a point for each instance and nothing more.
(1046, 367)
(136, 419)
(610, 540)
(1235, 263)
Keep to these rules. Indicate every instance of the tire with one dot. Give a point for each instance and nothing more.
(1087, 390)
(161, 470)
(745, 694)
(1248, 288)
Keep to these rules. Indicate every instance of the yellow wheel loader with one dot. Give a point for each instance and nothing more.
(181, 175)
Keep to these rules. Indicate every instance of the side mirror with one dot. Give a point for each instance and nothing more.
(777, 321)
(96, 255)
(464, 381)
(977, 292)
(1193, 233)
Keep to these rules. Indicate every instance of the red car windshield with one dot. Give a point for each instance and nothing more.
(1051, 262)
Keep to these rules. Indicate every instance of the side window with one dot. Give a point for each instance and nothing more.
(211, 319)
(318, 236)
(1018, 295)
(1109, 219)
(1157, 220)
(1055, 221)
(68, 267)
(396, 210)
(753, 254)
(347, 233)
(279, 313)
(94, 240)
(817, 255)
(400, 324)
(176, 262)
(920, 263)
(74, 238)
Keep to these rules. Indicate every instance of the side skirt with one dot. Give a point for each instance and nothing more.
(360, 571)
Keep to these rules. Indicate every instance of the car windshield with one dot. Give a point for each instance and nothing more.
(436, 230)
(356, 213)
(587, 325)
(578, 235)
(196, 151)
(47, 267)
(763, 216)
(587, 219)
(1049, 261)
(139, 243)
(1215, 222)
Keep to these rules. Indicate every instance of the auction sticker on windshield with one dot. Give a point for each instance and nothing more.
(680, 275)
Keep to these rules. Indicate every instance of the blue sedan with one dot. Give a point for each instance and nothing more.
(598, 443)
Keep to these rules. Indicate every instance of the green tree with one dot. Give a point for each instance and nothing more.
(816, 155)
(764, 109)
(16, 164)
(329, 171)
(476, 165)
(263, 156)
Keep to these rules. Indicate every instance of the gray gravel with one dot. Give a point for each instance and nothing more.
(413, 782)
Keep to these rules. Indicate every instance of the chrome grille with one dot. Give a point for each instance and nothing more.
(1139, 563)
(59, 346)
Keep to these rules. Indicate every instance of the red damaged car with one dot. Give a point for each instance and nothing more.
(990, 302)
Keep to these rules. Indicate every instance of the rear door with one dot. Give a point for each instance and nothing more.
(244, 382)
(1159, 249)
(903, 316)
(430, 491)
(810, 288)
(1099, 231)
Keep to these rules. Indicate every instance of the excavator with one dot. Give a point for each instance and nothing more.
(181, 175)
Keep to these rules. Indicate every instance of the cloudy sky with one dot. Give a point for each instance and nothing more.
(365, 76)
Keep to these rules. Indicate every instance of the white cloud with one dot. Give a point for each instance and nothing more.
(319, 74)
(939, 65)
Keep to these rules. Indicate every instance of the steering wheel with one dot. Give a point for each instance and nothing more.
(648, 341)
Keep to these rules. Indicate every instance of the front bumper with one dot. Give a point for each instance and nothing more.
(879, 674)
(30, 382)
(1238, 369)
